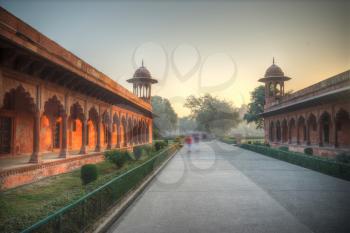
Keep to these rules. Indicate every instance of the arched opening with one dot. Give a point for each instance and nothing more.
(116, 131)
(105, 132)
(284, 131)
(271, 89)
(147, 134)
(301, 130)
(139, 132)
(92, 129)
(272, 132)
(123, 129)
(129, 132)
(278, 131)
(292, 131)
(134, 133)
(312, 132)
(342, 129)
(51, 125)
(325, 126)
(278, 89)
(75, 122)
(17, 123)
(144, 132)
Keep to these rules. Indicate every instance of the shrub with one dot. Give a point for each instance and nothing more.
(249, 142)
(149, 149)
(309, 151)
(343, 157)
(88, 173)
(139, 151)
(267, 144)
(118, 157)
(159, 145)
(284, 148)
(178, 139)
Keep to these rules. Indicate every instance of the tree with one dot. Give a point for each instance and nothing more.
(165, 119)
(187, 124)
(211, 114)
(256, 107)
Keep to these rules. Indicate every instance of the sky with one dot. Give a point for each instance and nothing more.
(197, 47)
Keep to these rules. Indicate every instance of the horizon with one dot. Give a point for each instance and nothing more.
(311, 48)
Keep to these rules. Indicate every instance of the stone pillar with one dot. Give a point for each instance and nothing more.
(308, 134)
(320, 134)
(98, 129)
(84, 137)
(64, 148)
(109, 139)
(35, 157)
(335, 133)
(289, 135)
(298, 134)
(118, 135)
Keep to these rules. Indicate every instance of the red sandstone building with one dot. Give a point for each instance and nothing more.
(52, 102)
(316, 116)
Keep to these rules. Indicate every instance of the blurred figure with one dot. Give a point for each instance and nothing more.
(196, 141)
(188, 141)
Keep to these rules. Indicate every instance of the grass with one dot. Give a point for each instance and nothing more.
(25, 205)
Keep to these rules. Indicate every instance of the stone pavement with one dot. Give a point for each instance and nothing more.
(222, 188)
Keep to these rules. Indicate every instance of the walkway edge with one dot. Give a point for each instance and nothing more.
(119, 209)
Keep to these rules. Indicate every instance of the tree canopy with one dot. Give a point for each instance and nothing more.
(212, 114)
(165, 120)
(187, 124)
(256, 107)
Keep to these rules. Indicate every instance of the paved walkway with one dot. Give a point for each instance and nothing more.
(221, 188)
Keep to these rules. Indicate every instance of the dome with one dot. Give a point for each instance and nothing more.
(274, 71)
(142, 72)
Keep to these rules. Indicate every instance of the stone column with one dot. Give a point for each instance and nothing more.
(298, 134)
(84, 137)
(118, 135)
(308, 134)
(64, 149)
(335, 133)
(35, 157)
(289, 134)
(98, 143)
(320, 134)
(109, 139)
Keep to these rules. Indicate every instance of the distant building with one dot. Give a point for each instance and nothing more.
(316, 116)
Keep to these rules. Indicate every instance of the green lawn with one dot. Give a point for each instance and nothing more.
(23, 206)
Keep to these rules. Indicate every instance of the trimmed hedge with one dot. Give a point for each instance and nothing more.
(160, 145)
(323, 165)
(228, 140)
(142, 150)
(118, 157)
(309, 151)
(88, 173)
(343, 157)
(284, 148)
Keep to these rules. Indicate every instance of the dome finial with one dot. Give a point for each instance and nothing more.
(273, 60)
